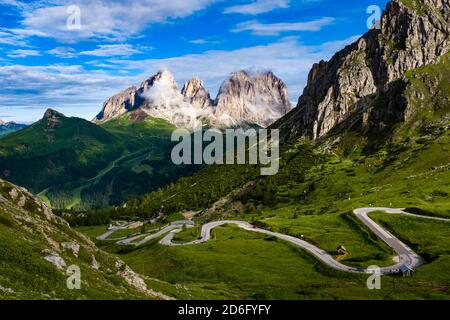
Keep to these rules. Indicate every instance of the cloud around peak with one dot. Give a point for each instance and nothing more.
(101, 19)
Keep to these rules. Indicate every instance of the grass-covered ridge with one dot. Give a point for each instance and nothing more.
(75, 164)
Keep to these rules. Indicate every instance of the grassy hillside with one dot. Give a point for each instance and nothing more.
(59, 150)
(74, 164)
(236, 264)
(31, 237)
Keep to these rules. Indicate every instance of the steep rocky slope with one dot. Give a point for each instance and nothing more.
(37, 248)
(259, 98)
(75, 164)
(243, 99)
(372, 71)
(125, 101)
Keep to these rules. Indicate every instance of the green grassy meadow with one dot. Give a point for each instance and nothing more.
(237, 264)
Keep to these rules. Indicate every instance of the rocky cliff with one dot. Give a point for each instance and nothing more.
(259, 98)
(125, 101)
(243, 99)
(163, 99)
(412, 34)
(39, 248)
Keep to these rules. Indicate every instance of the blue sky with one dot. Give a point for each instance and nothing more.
(73, 55)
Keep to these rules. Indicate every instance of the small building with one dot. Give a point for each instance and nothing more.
(406, 271)
(341, 250)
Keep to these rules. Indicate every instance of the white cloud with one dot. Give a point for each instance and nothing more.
(102, 19)
(63, 52)
(102, 51)
(258, 7)
(13, 3)
(11, 39)
(125, 50)
(17, 37)
(21, 53)
(262, 29)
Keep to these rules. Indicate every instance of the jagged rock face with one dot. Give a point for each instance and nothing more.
(127, 100)
(196, 94)
(259, 98)
(243, 99)
(411, 38)
(356, 76)
(52, 118)
(159, 97)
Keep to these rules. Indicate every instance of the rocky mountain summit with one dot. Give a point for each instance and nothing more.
(367, 78)
(243, 99)
(52, 118)
(259, 98)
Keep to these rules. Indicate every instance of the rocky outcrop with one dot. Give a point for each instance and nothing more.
(9, 127)
(259, 98)
(243, 99)
(196, 94)
(72, 247)
(54, 258)
(411, 35)
(136, 281)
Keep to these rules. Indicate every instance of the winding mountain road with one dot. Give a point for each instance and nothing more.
(406, 256)
(111, 231)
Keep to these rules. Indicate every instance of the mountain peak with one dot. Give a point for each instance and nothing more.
(194, 82)
(52, 114)
(162, 77)
(195, 92)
